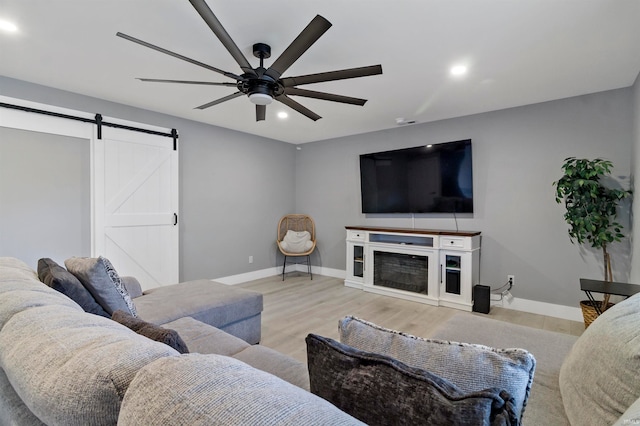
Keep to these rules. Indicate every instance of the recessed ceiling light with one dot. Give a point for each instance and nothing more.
(458, 70)
(7, 26)
(282, 114)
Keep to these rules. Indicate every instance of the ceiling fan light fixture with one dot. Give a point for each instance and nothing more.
(8, 26)
(458, 70)
(260, 98)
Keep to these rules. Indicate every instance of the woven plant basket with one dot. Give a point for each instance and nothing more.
(589, 313)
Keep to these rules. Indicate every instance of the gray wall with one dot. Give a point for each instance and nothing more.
(44, 196)
(234, 187)
(635, 168)
(517, 154)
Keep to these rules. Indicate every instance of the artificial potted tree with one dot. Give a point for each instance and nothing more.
(591, 211)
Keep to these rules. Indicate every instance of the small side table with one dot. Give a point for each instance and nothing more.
(609, 287)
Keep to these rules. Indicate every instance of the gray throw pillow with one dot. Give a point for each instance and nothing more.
(59, 279)
(151, 331)
(101, 279)
(470, 367)
(380, 390)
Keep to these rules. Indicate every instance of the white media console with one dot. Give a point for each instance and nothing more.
(424, 265)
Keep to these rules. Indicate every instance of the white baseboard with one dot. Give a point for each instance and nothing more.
(542, 308)
(517, 304)
(327, 272)
(249, 276)
(269, 272)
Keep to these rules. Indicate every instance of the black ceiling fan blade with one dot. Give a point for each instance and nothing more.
(261, 111)
(221, 100)
(177, 55)
(205, 83)
(212, 21)
(305, 39)
(332, 75)
(294, 91)
(296, 106)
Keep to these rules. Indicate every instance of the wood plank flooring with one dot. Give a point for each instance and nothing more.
(298, 306)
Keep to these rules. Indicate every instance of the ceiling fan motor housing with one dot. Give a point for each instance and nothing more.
(262, 84)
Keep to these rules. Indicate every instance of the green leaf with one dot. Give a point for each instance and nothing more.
(591, 208)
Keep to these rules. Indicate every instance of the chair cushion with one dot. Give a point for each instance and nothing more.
(296, 242)
(599, 377)
(58, 278)
(380, 390)
(470, 367)
(102, 280)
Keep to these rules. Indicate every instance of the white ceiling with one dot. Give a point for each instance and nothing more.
(518, 52)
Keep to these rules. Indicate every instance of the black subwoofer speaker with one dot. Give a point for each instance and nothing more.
(481, 298)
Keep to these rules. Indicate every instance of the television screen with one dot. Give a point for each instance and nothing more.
(425, 179)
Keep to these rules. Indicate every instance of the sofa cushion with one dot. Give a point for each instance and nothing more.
(12, 410)
(470, 367)
(154, 332)
(206, 339)
(212, 303)
(276, 363)
(59, 279)
(102, 280)
(631, 416)
(15, 269)
(380, 390)
(70, 367)
(17, 296)
(599, 377)
(544, 405)
(203, 390)
(133, 286)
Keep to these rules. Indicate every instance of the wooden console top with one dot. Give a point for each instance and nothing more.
(415, 231)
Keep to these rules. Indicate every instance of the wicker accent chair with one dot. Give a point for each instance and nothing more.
(296, 223)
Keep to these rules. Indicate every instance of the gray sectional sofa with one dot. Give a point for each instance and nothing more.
(60, 365)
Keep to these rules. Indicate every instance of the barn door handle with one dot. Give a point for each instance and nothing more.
(175, 219)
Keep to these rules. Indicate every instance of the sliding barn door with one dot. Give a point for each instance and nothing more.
(135, 193)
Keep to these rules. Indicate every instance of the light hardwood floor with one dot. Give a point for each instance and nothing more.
(298, 306)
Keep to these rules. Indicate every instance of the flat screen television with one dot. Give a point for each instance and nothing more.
(424, 179)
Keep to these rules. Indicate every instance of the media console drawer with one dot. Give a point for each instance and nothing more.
(453, 242)
(356, 235)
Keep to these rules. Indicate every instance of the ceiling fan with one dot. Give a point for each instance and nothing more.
(262, 85)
